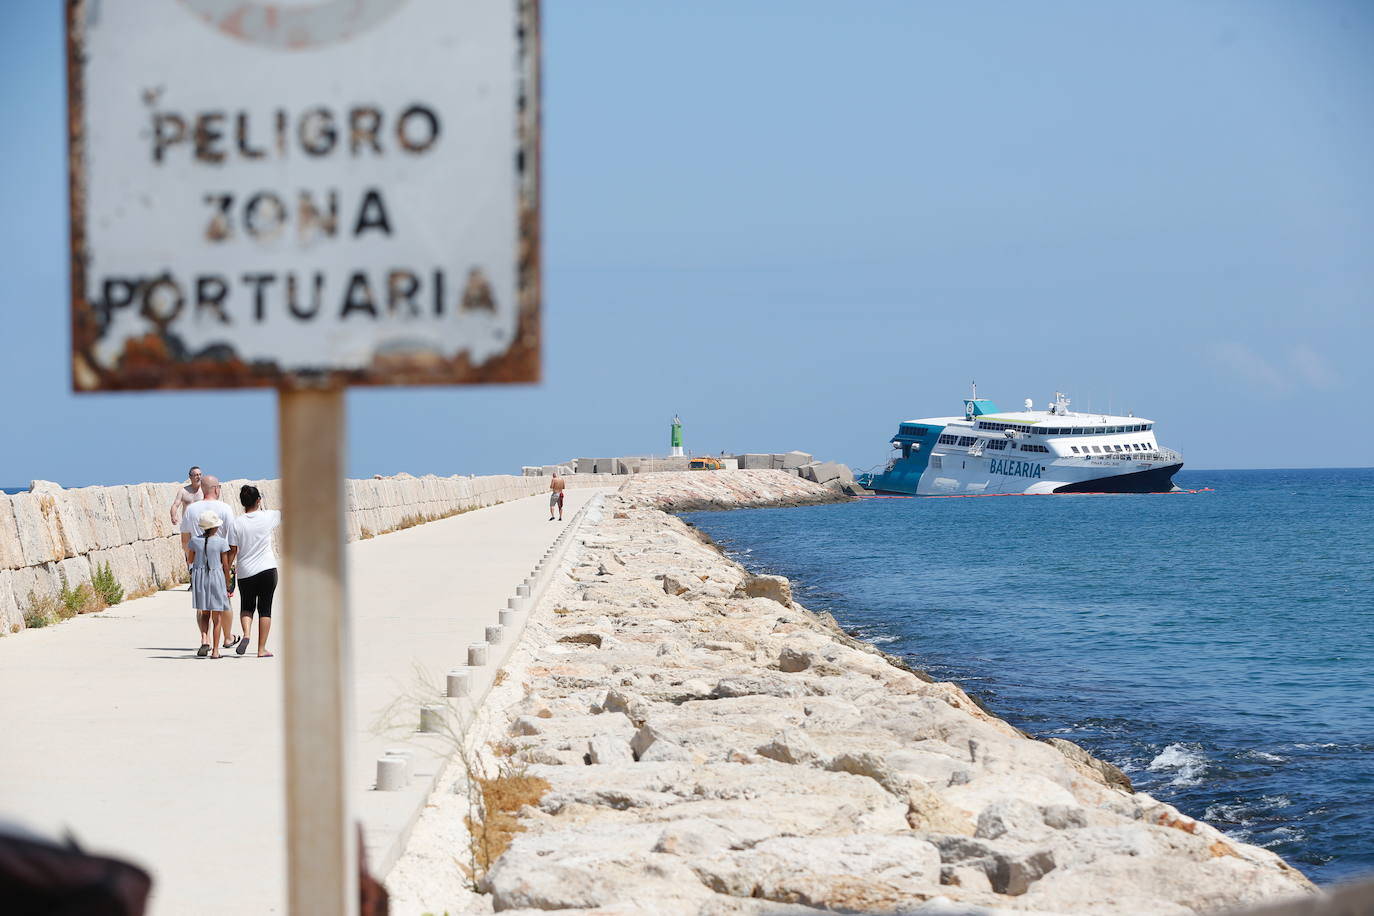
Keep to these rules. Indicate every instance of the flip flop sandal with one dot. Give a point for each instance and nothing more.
(242, 646)
(203, 651)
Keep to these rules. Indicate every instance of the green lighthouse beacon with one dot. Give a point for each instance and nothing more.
(677, 437)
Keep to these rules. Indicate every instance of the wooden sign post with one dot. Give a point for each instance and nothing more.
(305, 196)
(322, 852)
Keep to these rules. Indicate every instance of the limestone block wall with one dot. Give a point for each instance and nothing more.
(52, 536)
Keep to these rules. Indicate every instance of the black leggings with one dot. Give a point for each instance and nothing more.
(256, 592)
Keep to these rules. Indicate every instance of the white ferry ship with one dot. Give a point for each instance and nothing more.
(1055, 450)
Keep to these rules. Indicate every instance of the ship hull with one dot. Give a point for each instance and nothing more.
(972, 476)
(1151, 480)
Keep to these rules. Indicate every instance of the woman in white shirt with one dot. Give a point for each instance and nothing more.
(257, 566)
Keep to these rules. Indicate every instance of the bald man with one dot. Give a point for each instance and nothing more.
(210, 501)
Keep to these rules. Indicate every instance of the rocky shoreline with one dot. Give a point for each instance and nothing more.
(700, 743)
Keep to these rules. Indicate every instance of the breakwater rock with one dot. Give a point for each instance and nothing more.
(710, 746)
(702, 490)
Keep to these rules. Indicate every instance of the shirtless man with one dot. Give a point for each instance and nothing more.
(188, 494)
(556, 486)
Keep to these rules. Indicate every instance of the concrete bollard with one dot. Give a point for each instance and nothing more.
(459, 683)
(391, 773)
(494, 634)
(432, 718)
(517, 603)
(477, 655)
(404, 754)
(522, 591)
(509, 618)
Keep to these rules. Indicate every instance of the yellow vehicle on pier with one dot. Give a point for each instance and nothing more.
(705, 464)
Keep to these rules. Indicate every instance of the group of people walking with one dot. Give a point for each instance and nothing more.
(226, 552)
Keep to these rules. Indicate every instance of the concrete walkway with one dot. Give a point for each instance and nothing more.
(110, 726)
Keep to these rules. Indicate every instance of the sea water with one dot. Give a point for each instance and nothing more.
(1218, 645)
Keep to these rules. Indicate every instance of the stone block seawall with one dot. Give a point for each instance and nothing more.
(51, 537)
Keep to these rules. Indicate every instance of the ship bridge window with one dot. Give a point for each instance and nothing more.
(967, 440)
(905, 430)
(948, 439)
(998, 444)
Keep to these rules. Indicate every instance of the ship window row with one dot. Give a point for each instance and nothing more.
(1097, 449)
(998, 444)
(905, 430)
(1067, 430)
(1034, 448)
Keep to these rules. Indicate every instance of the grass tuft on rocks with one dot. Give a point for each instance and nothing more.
(80, 600)
(419, 518)
(502, 798)
(494, 785)
(106, 586)
(42, 610)
(145, 588)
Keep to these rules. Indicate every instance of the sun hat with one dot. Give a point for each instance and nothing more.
(209, 520)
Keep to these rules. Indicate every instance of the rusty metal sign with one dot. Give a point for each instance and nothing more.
(315, 192)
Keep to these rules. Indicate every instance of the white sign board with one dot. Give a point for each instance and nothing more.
(286, 193)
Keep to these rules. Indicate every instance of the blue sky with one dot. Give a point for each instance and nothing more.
(796, 224)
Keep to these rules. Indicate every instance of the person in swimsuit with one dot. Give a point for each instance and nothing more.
(556, 495)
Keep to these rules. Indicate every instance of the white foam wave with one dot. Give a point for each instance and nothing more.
(882, 640)
(1281, 835)
(1187, 761)
(1233, 814)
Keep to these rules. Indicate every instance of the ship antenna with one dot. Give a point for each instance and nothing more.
(975, 390)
